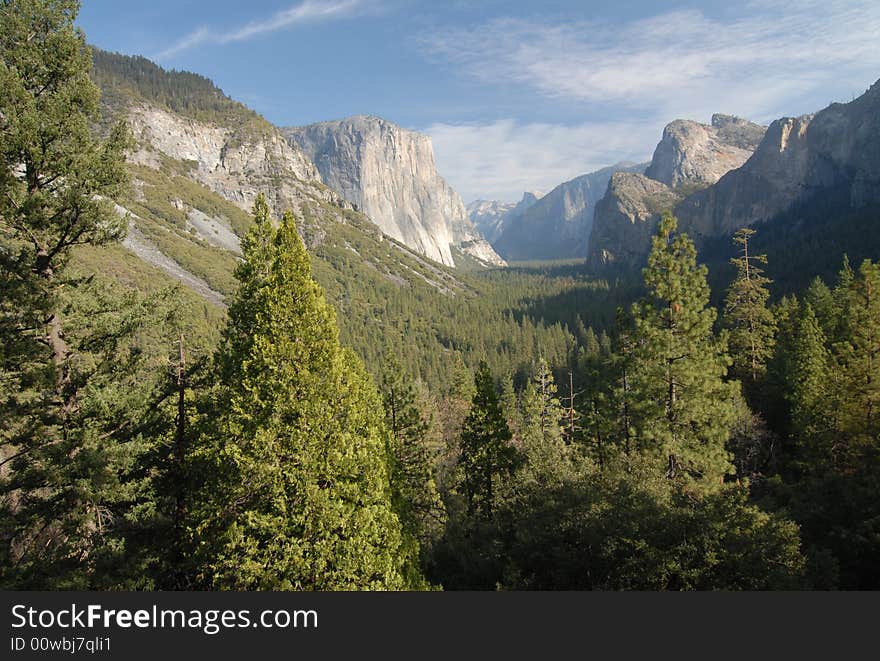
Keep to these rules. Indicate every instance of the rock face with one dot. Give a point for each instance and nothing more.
(488, 216)
(837, 148)
(626, 218)
(558, 226)
(690, 157)
(491, 216)
(235, 164)
(700, 154)
(199, 154)
(389, 174)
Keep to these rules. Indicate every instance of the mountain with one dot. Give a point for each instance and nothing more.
(689, 157)
(700, 154)
(388, 173)
(182, 123)
(828, 160)
(623, 226)
(558, 226)
(200, 160)
(490, 216)
(836, 150)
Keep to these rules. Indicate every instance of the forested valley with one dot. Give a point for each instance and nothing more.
(539, 427)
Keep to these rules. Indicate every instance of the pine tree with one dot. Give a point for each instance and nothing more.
(413, 487)
(856, 356)
(300, 494)
(807, 379)
(547, 456)
(486, 451)
(828, 310)
(452, 409)
(685, 407)
(613, 412)
(68, 355)
(510, 408)
(751, 324)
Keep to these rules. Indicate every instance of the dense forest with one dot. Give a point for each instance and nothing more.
(540, 429)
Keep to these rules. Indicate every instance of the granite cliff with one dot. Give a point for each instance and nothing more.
(389, 173)
(836, 149)
(832, 154)
(689, 158)
(690, 153)
(199, 161)
(236, 163)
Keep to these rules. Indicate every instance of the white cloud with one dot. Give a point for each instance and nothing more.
(501, 159)
(310, 10)
(681, 60)
(761, 61)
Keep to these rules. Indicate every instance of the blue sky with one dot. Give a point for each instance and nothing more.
(516, 95)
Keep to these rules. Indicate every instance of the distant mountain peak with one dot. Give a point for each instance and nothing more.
(554, 225)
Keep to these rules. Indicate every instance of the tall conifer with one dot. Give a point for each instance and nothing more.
(413, 486)
(486, 452)
(68, 400)
(548, 457)
(751, 324)
(685, 408)
(856, 373)
(301, 496)
(808, 374)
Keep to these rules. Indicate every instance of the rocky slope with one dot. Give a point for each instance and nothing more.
(625, 218)
(235, 163)
(388, 172)
(689, 158)
(700, 154)
(832, 154)
(199, 162)
(558, 226)
(837, 149)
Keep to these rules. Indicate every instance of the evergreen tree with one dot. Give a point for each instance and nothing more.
(807, 379)
(751, 324)
(856, 356)
(828, 376)
(510, 409)
(452, 409)
(615, 414)
(300, 496)
(486, 452)
(413, 487)
(68, 354)
(547, 455)
(685, 407)
(828, 311)
(774, 406)
(613, 532)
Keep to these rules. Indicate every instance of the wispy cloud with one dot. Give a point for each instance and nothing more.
(681, 59)
(310, 10)
(499, 160)
(760, 60)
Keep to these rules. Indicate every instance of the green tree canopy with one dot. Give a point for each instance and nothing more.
(413, 485)
(685, 408)
(68, 401)
(301, 497)
(486, 451)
